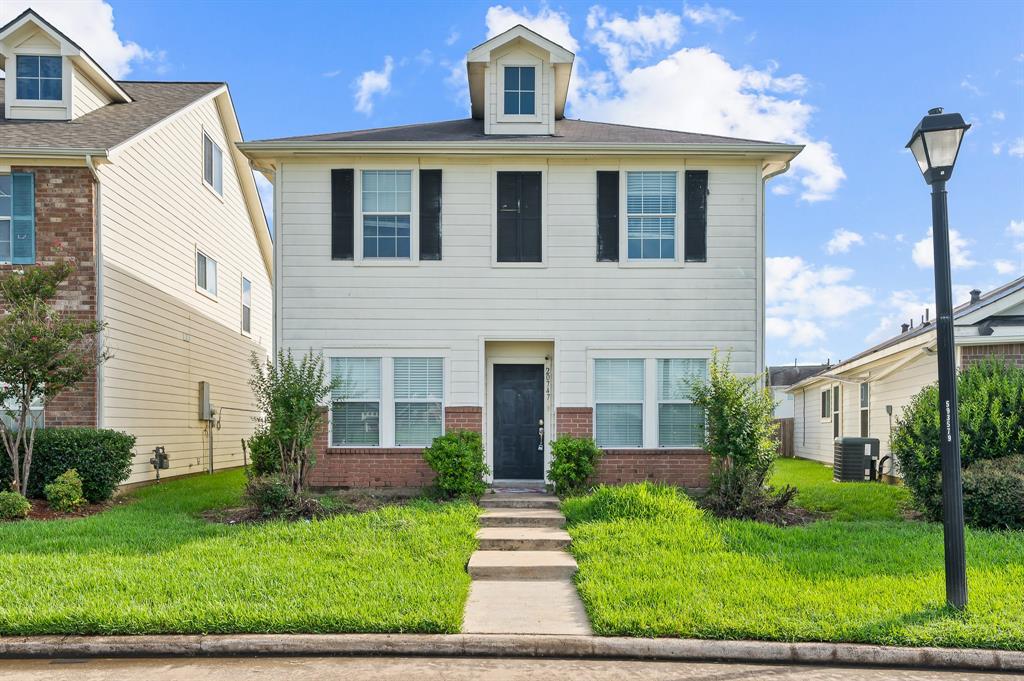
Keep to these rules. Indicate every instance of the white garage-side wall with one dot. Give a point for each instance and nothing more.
(465, 298)
(165, 335)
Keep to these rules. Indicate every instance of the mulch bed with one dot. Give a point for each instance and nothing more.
(42, 511)
(342, 502)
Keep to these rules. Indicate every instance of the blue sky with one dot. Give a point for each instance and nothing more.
(847, 229)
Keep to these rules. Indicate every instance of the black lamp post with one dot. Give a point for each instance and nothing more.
(935, 144)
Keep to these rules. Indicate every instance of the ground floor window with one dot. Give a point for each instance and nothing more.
(865, 402)
(387, 401)
(647, 402)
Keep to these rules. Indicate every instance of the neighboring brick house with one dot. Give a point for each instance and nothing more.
(518, 273)
(141, 185)
(862, 396)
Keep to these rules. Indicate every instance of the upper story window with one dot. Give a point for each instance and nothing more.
(40, 77)
(213, 164)
(651, 215)
(520, 90)
(246, 306)
(387, 213)
(206, 273)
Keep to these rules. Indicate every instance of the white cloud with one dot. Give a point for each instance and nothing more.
(453, 37)
(266, 191)
(550, 23)
(1017, 148)
(795, 288)
(901, 307)
(1015, 228)
(371, 84)
(90, 23)
(782, 189)
(706, 14)
(798, 333)
(1004, 267)
(998, 115)
(623, 40)
(842, 240)
(456, 82)
(966, 84)
(959, 253)
(997, 147)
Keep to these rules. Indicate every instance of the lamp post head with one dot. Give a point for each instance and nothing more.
(936, 143)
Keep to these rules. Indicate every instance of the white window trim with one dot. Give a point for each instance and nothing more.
(65, 86)
(650, 409)
(864, 408)
(414, 217)
(10, 223)
(677, 255)
(195, 273)
(532, 168)
(202, 167)
(540, 74)
(386, 413)
(242, 306)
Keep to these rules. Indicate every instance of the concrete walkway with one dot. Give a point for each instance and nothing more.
(522, 574)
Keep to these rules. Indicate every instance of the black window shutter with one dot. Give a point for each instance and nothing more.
(695, 244)
(607, 215)
(342, 213)
(430, 215)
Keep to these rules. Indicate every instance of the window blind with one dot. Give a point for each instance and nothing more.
(680, 423)
(355, 402)
(419, 391)
(619, 402)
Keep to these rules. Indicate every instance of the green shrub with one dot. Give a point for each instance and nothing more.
(64, 494)
(13, 506)
(264, 456)
(991, 398)
(458, 459)
(994, 494)
(572, 462)
(103, 459)
(740, 438)
(270, 495)
(638, 501)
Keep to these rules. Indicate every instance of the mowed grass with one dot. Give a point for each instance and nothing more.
(154, 566)
(841, 501)
(683, 573)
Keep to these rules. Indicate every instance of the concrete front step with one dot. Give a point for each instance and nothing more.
(521, 565)
(522, 517)
(522, 539)
(518, 500)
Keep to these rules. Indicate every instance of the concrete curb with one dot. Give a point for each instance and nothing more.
(507, 645)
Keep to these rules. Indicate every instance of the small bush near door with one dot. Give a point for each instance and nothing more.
(572, 463)
(64, 494)
(458, 459)
(102, 458)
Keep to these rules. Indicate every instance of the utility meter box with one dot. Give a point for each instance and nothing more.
(205, 406)
(855, 459)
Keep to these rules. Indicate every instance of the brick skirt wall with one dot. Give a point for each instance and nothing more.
(1011, 353)
(383, 467)
(65, 230)
(683, 467)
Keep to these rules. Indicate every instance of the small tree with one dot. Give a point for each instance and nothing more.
(289, 394)
(43, 352)
(740, 438)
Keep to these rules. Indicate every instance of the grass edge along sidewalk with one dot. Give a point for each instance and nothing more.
(153, 565)
(655, 566)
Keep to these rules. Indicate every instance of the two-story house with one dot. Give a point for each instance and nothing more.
(142, 185)
(518, 273)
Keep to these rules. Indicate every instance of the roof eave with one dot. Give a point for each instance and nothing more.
(50, 152)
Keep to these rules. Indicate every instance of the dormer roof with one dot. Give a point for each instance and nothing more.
(483, 54)
(28, 22)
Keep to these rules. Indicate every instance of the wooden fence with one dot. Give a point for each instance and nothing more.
(784, 436)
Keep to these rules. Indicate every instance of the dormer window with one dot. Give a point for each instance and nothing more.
(520, 90)
(39, 77)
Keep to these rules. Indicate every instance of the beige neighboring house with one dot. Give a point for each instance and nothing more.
(864, 395)
(142, 184)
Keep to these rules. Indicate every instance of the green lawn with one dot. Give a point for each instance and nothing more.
(871, 579)
(848, 501)
(154, 566)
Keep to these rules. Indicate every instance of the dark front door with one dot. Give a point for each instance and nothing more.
(519, 238)
(518, 419)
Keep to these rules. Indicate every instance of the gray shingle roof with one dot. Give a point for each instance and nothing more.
(107, 126)
(782, 376)
(567, 130)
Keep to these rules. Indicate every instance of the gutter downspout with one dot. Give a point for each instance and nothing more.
(98, 270)
(760, 360)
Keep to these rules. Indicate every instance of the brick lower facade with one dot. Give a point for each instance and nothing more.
(65, 228)
(1011, 353)
(383, 467)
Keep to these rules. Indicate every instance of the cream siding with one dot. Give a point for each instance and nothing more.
(165, 335)
(571, 299)
(85, 95)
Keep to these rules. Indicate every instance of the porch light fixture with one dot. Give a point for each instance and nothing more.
(935, 144)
